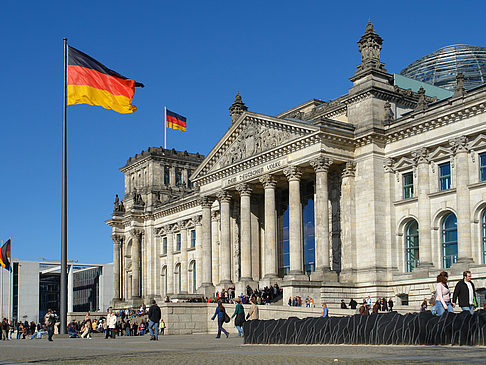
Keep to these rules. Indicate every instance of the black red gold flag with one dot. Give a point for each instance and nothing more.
(5, 256)
(175, 121)
(90, 82)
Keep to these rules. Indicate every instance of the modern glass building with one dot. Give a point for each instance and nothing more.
(441, 67)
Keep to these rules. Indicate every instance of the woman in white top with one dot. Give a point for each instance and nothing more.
(443, 295)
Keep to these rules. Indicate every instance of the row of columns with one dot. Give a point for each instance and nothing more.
(206, 226)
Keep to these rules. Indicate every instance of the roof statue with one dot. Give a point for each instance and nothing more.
(237, 108)
(370, 47)
(460, 88)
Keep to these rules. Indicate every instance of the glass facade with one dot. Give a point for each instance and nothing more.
(482, 167)
(449, 240)
(445, 176)
(49, 292)
(411, 245)
(309, 236)
(441, 67)
(86, 285)
(407, 181)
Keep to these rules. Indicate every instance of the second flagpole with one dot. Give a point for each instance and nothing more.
(165, 127)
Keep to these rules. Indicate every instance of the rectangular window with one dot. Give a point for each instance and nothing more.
(407, 181)
(482, 166)
(166, 175)
(164, 246)
(178, 242)
(445, 176)
(193, 238)
(177, 176)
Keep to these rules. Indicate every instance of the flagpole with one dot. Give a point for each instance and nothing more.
(63, 303)
(1, 306)
(10, 283)
(165, 127)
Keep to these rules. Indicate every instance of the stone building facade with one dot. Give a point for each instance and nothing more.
(372, 193)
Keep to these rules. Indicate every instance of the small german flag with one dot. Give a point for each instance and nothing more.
(90, 82)
(5, 256)
(175, 121)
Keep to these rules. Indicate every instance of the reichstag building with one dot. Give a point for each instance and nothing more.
(372, 193)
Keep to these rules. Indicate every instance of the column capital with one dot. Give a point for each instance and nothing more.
(321, 163)
(244, 189)
(389, 165)
(206, 201)
(268, 181)
(215, 215)
(421, 156)
(349, 169)
(197, 219)
(459, 144)
(224, 196)
(136, 232)
(293, 173)
(117, 239)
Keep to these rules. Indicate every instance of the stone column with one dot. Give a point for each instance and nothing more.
(170, 260)
(293, 174)
(270, 247)
(184, 265)
(459, 149)
(421, 160)
(225, 198)
(348, 224)
(207, 270)
(215, 246)
(136, 238)
(245, 235)
(321, 215)
(199, 250)
(116, 266)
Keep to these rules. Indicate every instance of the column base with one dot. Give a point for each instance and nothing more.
(240, 286)
(207, 289)
(324, 274)
(269, 280)
(225, 284)
(135, 301)
(296, 275)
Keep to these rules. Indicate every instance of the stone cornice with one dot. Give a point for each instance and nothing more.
(434, 117)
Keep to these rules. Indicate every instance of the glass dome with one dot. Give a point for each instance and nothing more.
(440, 68)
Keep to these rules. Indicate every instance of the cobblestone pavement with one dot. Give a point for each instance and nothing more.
(204, 349)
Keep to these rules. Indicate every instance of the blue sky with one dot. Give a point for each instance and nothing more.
(193, 57)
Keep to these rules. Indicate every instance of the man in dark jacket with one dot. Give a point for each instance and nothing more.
(154, 319)
(466, 293)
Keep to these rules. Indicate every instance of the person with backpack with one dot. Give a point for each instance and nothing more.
(221, 314)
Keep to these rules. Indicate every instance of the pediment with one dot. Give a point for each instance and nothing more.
(478, 142)
(403, 163)
(252, 135)
(440, 153)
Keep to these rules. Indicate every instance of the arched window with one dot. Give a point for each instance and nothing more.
(411, 245)
(449, 240)
(483, 234)
(164, 281)
(178, 277)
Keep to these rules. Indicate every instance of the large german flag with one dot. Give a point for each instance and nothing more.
(90, 82)
(5, 256)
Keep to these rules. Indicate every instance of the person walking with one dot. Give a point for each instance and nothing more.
(87, 327)
(221, 314)
(110, 324)
(390, 304)
(240, 316)
(5, 329)
(162, 327)
(443, 295)
(154, 315)
(325, 311)
(49, 321)
(466, 293)
(253, 312)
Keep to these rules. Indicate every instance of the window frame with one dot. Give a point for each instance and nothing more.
(444, 178)
(482, 168)
(411, 264)
(406, 187)
(445, 244)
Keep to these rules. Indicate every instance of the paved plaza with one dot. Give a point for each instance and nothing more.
(205, 349)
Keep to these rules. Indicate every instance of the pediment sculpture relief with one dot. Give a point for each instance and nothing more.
(254, 139)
